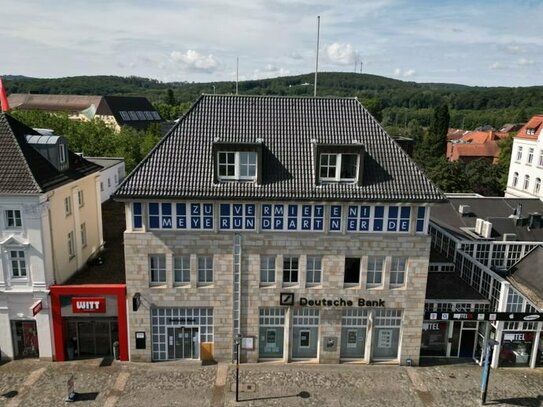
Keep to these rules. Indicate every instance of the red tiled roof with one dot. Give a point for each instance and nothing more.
(533, 124)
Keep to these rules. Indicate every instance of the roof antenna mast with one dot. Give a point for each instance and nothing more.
(317, 59)
(237, 74)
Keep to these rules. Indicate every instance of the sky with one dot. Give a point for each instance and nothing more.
(472, 42)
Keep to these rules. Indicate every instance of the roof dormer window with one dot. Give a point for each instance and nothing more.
(339, 164)
(237, 162)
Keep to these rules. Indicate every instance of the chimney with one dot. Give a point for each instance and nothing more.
(3, 98)
(518, 210)
(464, 210)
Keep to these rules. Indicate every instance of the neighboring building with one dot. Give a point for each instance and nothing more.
(526, 168)
(111, 175)
(296, 223)
(475, 145)
(50, 223)
(117, 111)
(494, 246)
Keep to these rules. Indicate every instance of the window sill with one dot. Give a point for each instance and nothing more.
(267, 285)
(397, 286)
(17, 279)
(351, 285)
(313, 285)
(184, 284)
(374, 287)
(71, 257)
(158, 285)
(291, 285)
(204, 285)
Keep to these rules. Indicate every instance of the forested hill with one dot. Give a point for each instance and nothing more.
(394, 102)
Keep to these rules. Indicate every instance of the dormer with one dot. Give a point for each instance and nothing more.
(237, 162)
(52, 147)
(339, 163)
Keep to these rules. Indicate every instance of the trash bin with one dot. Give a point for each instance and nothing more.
(116, 350)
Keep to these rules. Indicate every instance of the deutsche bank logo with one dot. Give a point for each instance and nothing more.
(286, 299)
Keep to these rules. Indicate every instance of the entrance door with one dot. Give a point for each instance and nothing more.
(353, 342)
(467, 343)
(86, 338)
(183, 343)
(305, 342)
(90, 338)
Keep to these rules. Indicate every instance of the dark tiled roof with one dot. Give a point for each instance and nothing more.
(25, 171)
(181, 165)
(527, 276)
(113, 105)
(495, 210)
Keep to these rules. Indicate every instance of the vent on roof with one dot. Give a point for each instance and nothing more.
(464, 210)
(509, 237)
(486, 230)
(479, 226)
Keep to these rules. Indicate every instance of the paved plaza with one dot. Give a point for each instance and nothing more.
(31, 383)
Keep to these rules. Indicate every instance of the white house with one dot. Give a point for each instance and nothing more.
(526, 168)
(50, 223)
(111, 175)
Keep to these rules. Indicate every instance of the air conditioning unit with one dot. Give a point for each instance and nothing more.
(479, 226)
(486, 232)
(509, 237)
(464, 210)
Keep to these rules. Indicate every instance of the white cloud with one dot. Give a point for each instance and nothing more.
(193, 61)
(341, 54)
(407, 73)
(269, 71)
(525, 61)
(497, 65)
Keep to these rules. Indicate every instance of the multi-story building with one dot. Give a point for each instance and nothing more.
(296, 224)
(494, 246)
(526, 168)
(111, 174)
(50, 223)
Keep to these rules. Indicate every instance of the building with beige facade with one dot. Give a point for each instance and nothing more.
(50, 224)
(295, 226)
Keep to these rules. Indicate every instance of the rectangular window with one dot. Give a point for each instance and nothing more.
(181, 269)
(375, 271)
(290, 270)
(157, 269)
(540, 158)
(68, 206)
(519, 153)
(71, 245)
(137, 215)
(83, 234)
(314, 270)
(13, 219)
(352, 270)
(338, 167)
(18, 263)
(101, 187)
(205, 269)
(160, 215)
(237, 165)
(62, 153)
(109, 182)
(421, 218)
(267, 269)
(530, 155)
(80, 198)
(397, 272)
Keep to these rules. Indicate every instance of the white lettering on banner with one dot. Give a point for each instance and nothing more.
(513, 337)
(87, 305)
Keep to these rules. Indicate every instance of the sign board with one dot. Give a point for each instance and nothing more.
(248, 343)
(36, 307)
(94, 305)
(288, 299)
(140, 340)
(484, 316)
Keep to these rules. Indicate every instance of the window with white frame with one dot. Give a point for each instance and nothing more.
(375, 271)
(290, 270)
(205, 269)
(62, 153)
(352, 271)
(515, 179)
(71, 245)
(338, 167)
(83, 234)
(18, 263)
(526, 181)
(514, 301)
(267, 269)
(540, 163)
(68, 205)
(519, 153)
(397, 271)
(530, 155)
(313, 270)
(101, 186)
(181, 269)
(237, 165)
(109, 182)
(13, 219)
(157, 269)
(537, 185)
(80, 198)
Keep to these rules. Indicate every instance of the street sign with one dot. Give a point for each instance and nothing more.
(36, 307)
(483, 316)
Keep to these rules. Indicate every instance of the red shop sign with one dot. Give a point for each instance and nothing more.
(95, 305)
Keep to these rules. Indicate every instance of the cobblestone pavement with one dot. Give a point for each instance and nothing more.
(34, 383)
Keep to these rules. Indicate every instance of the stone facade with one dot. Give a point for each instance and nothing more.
(332, 246)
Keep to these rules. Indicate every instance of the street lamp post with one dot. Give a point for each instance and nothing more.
(486, 369)
(238, 347)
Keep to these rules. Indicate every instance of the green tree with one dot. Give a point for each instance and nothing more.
(483, 177)
(504, 159)
(436, 140)
(449, 176)
(170, 97)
